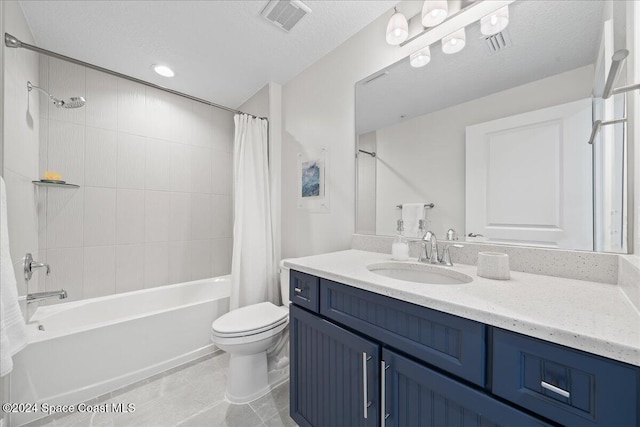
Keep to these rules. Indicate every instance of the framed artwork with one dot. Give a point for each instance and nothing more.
(312, 181)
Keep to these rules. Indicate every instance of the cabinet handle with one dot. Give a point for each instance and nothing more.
(365, 397)
(557, 390)
(383, 398)
(297, 290)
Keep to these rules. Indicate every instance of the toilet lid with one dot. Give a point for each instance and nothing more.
(250, 319)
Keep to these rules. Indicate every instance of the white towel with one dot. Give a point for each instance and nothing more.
(13, 334)
(412, 213)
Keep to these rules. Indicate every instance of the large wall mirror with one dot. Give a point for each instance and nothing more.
(496, 135)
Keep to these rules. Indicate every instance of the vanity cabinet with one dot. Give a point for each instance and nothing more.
(363, 359)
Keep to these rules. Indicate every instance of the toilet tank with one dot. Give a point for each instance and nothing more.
(284, 284)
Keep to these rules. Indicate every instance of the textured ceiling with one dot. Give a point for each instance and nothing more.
(222, 51)
(548, 38)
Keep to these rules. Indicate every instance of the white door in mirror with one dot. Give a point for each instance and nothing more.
(529, 179)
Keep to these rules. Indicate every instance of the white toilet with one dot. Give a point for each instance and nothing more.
(247, 333)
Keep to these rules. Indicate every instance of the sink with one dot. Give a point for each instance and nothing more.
(420, 273)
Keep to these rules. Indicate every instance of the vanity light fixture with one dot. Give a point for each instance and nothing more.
(163, 70)
(434, 12)
(397, 28)
(495, 22)
(454, 42)
(421, 57)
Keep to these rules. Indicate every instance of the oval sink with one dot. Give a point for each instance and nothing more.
(420, 273)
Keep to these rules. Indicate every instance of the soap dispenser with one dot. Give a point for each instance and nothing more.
(400, 247)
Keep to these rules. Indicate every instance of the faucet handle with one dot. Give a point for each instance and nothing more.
(451, 234)
(446, 258)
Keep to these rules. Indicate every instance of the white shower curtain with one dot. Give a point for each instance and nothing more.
(253, 266)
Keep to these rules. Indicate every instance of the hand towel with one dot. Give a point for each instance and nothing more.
(412, 213)
(13, 334)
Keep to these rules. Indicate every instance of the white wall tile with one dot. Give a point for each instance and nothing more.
(221, 251)
(130, 226)
(156, 208)
(168, 115)
(131, 108)
(100, 157)
(156, 264)
(66, 80)
(99, 216)
(64, 217)
(66, 272)
(66, 151)
(179, 169)
(223, 130)
(129, 268)
(200, 167)
(43, 147)
(221, 172)
(201, 263)
(131, 161)
(202, 131)
(43, 82)
(221, 220)
(200, 216)
(179, 216)
(99, 271)
(179, 262)
(157, 166)
(102, 100)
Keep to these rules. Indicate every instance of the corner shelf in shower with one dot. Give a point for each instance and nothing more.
(54, 184)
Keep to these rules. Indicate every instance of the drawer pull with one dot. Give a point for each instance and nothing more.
(383, 387)
(365, 398)
(557, 390)
(297, 290)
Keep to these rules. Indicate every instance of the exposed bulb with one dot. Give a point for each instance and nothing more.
(421, 57)
(434, 12)
(495, 22)
(454, 42)
(397, 29)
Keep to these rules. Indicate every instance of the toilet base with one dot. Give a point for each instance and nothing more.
(248, 378)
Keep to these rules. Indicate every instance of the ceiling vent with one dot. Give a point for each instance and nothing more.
(498, 42)
(285, 14)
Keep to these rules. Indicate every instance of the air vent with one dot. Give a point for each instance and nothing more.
(498, 42)
(284, 14)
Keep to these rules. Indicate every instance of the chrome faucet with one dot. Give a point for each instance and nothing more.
(30, 265)
(40, 296)
(430, 237)
(432, 256)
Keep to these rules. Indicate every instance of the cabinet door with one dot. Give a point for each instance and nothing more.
(333, 374)
(414, 395)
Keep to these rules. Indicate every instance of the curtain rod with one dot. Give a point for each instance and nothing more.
(13, 42)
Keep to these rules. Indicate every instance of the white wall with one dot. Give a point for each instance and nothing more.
(366, 191)
(21, 136)
(423, 159)
(154, 169)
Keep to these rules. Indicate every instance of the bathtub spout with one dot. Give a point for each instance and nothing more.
(40, 296)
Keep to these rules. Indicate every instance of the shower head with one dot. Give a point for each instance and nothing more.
(73, 102)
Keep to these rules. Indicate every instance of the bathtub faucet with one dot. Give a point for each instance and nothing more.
(40, 296)
(30, 265)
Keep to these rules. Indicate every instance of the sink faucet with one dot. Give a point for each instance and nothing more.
(40, 296)
(432, 256)
(430, 237)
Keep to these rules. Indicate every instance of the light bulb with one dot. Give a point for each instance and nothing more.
(434, 12)
(454, 42)
(495, 22)
(421, 57)
(163, 70)
(397, 29)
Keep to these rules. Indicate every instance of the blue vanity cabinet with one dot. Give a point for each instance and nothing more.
(414, 395)
(333, 374)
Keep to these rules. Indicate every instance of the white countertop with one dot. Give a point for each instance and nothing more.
(594, 317)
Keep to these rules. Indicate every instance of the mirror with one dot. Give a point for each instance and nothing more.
(495, 136)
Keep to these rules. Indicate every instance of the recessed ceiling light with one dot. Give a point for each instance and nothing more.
(163, 70)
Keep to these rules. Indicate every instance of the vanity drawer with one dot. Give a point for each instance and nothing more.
(304, 289)
(448, 342)
(568, 386)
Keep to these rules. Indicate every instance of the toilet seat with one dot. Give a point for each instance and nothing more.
(250, 320)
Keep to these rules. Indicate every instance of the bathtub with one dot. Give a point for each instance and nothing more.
(83, 349)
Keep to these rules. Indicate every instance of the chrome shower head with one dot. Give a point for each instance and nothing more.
(73, 102)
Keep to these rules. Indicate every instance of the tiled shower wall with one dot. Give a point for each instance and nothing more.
(154, 205)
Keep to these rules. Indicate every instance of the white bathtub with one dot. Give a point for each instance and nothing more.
(94, 346)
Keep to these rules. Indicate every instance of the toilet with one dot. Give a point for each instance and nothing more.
(247, 334)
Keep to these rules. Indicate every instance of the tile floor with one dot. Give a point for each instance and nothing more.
(189, 396)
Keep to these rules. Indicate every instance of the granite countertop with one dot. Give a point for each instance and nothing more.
(594, 317)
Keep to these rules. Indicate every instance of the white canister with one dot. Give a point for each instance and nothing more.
(493, 265)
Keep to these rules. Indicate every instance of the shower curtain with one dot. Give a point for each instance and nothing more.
(253, 266)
